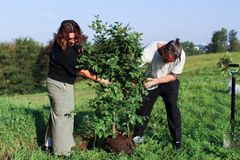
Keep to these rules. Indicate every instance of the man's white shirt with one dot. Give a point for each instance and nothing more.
(156, 67)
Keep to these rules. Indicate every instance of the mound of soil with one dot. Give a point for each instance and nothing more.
(120, 144)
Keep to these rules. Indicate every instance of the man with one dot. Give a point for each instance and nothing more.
(165, 63)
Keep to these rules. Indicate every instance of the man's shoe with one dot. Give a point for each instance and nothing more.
(177, 145)
(138, 139)
(47, 149)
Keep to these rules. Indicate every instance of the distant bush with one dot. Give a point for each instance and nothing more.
(190, 49)
(17, 66)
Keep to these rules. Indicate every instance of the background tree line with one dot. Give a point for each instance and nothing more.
(221, 41)
(24, 62)
(21, 66)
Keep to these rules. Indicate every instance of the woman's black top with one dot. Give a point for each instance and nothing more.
(63, 64)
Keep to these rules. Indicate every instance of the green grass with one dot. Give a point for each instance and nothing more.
(203, 100)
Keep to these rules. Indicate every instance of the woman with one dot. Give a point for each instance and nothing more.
(61, 77)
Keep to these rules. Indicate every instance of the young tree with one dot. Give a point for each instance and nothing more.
(115, 55)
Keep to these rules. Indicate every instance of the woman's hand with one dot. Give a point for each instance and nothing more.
(93, 77)
(104, 81)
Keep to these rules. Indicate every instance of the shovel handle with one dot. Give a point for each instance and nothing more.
(234, 65)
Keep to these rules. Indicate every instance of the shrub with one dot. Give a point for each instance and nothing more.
(115, 55)
(224, 62)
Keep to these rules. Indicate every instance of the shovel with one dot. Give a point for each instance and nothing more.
(229, 138)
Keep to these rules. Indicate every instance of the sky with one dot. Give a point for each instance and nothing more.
(189, 20)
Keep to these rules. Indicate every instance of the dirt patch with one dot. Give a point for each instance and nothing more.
(120, 144)
(81, 143)
(4, 156)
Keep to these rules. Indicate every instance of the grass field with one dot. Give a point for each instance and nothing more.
(204, 104)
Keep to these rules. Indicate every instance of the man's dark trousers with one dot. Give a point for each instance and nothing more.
(169, 94)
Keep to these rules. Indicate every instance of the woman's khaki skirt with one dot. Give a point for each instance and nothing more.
(62, 105)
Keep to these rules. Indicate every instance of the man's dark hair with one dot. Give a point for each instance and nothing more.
(174, 47)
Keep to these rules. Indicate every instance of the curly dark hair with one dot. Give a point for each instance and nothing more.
(69, 26)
